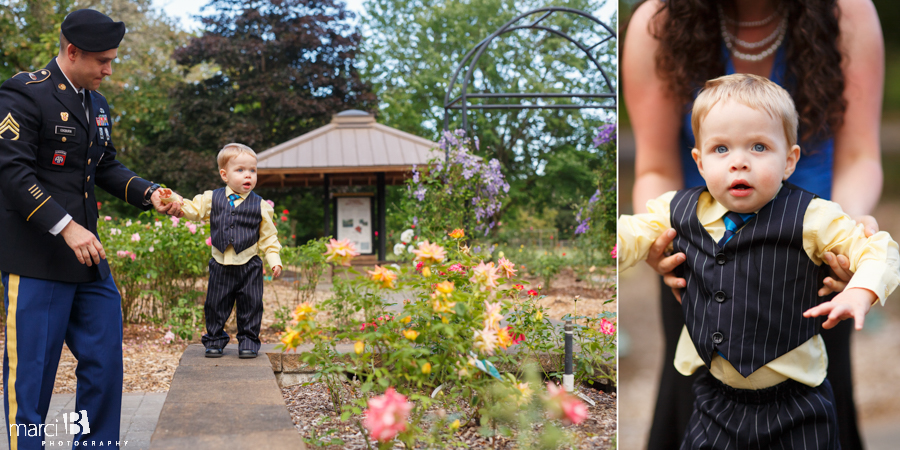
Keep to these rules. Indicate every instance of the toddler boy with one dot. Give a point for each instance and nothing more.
(754, 246)
(241, 224)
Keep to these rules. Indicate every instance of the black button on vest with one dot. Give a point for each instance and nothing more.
(764, 274)
(238, 226)
(717, 337)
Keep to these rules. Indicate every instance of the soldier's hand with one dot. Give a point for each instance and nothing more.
(171, 209)
(86, 246)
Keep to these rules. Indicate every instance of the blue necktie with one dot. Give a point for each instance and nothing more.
(232, 198)
(733, 222)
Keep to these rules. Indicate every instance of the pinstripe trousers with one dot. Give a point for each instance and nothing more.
(240, 285)
(789, 415)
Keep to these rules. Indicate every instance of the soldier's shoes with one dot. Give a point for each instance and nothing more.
(246, 354)
(214, 353)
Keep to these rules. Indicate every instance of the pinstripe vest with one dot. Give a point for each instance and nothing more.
(238, 226)
(746, 300)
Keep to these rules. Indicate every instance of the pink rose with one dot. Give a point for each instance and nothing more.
(121, 253)
(387, 415)
(565, 406)
(107, 218)
(192, 228)
(135, 237)
(615, 251)
(271, 203)
(607, 327)
(175, 221)
(209, 241)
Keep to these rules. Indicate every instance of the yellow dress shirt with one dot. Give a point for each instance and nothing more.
(875, 262)
(199, 209)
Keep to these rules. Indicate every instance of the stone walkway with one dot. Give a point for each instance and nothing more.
(140, 412)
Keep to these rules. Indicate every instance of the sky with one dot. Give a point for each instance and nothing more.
(184, 9)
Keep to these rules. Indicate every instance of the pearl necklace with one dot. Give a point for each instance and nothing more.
(730, 40)
(765, 41)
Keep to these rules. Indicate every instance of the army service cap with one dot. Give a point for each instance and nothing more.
(92, 31)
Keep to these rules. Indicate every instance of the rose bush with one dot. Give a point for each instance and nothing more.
(467, 318)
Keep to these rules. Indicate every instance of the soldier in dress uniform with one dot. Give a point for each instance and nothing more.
(55, 147)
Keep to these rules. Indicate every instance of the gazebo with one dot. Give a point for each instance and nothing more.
(352, 150)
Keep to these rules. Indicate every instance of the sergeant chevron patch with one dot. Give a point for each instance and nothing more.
(9, 124)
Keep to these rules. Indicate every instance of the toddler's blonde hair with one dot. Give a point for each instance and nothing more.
(752, 91)
(231, 151)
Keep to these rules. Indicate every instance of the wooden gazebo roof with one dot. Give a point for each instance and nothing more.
(351, 149)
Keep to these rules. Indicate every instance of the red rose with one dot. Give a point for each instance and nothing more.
(99, 204)
(284, 218)
(293, 236)
(285, 212)
(532, 292)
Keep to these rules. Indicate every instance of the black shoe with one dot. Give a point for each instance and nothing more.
(246, 354)
(214, 353)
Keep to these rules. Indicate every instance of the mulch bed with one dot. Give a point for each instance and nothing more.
(315, 417)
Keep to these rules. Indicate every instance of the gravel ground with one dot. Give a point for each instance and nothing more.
(314, 416)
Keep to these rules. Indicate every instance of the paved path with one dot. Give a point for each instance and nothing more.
(140, 412)
(225, 403)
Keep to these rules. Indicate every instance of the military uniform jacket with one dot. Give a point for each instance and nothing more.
(746, 300)
(51, 157)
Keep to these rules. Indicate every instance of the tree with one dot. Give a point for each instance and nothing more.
(282, 68)
(546, 155)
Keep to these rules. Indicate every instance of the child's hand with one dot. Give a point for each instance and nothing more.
(276, 271)
(853, 302)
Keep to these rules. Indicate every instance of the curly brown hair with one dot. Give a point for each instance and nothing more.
(690, 53)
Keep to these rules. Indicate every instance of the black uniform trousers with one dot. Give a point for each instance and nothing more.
(229, 285)
(675, 398)
(789, 415)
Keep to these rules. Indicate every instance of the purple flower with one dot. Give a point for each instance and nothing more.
(605, 133)
(416, 220)
(583, 227)
(420, 194)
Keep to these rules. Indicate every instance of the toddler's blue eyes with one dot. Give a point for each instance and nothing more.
(759, 148)
(721, 149)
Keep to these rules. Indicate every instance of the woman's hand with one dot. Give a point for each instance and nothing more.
(840, 265)
(665, 265)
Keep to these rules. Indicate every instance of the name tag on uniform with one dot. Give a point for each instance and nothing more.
(65, 131)
(59, 158)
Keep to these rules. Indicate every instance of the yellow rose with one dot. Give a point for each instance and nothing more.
(359, 347)
(426, 271)
(426, 369)
(539, 316)
(455, 425)
(410, 334)
(406, 319)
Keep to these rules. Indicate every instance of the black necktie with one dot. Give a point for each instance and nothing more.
(733, 222)
(86, 104)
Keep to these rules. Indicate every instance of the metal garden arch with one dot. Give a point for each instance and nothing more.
(461, 102)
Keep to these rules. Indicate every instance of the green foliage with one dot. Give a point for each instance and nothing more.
(309, 260)
(435, 339)
(155, 263)
(545, 155)
(548, 266)
(187, 317)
